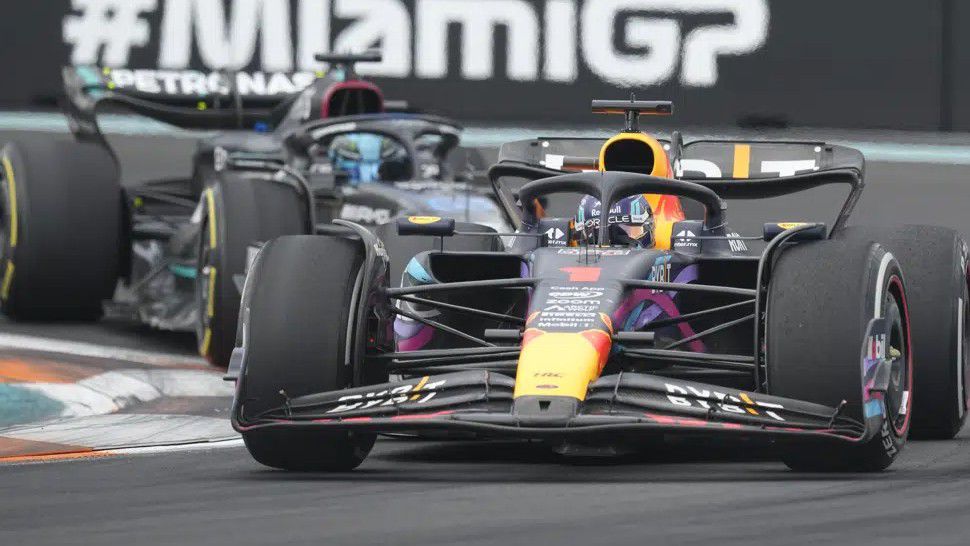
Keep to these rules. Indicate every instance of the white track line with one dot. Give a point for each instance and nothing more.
(92, 350)
(125, 430)
(196, 446)
(127, 452)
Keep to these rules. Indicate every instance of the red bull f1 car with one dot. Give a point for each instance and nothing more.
(179, 246)
(835, 342)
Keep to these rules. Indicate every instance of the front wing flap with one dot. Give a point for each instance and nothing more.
(481, 401)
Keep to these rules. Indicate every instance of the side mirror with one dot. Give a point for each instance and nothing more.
(816, 232)
(426, 225)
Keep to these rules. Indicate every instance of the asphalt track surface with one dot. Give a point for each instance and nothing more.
(423, 492)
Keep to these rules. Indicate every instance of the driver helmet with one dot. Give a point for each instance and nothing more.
(631, 221)
(361, 155)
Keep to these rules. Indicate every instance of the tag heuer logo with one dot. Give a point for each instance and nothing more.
(685, 239)
(554, 233)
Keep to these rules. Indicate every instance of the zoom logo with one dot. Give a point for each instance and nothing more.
(622, 42)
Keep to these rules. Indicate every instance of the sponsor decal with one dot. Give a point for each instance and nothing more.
(575, 251)
(365, 214)
(660, 270)
(419, 392)
(202, 84)
(712, 400)
(789, 167)
(620, 42)
(615, 216)
(685, 239)
(424, 219)
(737, 245)
(876, 347)
(570, 294)
(742, 163)
(555, 236)
(572, 307)
(888, 439)
(573, 320)
(432, 185)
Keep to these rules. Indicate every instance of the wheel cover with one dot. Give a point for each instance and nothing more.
(898, 396)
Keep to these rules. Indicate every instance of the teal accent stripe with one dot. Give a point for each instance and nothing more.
(631, 319)
(184, 271)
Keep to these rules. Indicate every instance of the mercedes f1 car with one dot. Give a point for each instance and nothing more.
(834, 342)
(180, 245)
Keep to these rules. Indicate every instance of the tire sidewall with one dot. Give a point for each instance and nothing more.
(13, 169)
(885, 277)
(69, 225)
(822, 299)
(934, 260)
(234, 232)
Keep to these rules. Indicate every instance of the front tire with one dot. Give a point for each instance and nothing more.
(239, 212)
(822, 298)
(298, 303)
(62, 223)
(935, 262)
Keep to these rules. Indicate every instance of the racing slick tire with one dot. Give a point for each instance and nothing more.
(62, 227)
(239, 213)
(935, 262)
(298, 299)
(821, 299)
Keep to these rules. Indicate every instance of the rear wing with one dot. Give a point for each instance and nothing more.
(734, 169)
(174, 98)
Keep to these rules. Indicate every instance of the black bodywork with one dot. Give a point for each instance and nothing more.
(269, 138)
(464, 322)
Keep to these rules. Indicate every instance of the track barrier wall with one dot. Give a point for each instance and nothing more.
(830, 63)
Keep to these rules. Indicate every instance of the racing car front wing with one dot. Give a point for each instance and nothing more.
(480, 401)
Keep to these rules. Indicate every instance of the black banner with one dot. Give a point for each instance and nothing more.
(832, 63)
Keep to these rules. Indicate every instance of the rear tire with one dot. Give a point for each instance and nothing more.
(935, 263)
(299, 296)
(821, 299)
(238, 212)
(62, 228)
